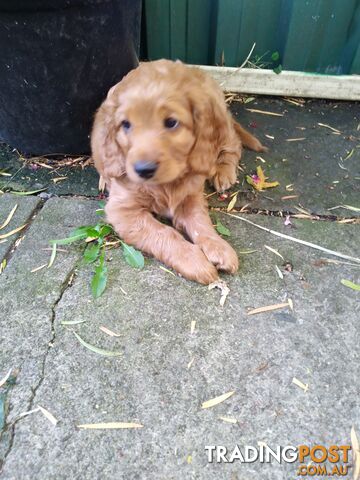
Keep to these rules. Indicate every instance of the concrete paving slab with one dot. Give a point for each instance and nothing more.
(23, 213)
(27, 299)
(315, 169)
(152, 382)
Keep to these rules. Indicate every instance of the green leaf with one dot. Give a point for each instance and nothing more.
(275, 56)
(278, 69)
(98, 282)
(102, 204)
(133, 257)
(88, 231)
(222, 229)
(100, 351)
(91, 252)
(352, 285)
(105, 230)
(71, 239)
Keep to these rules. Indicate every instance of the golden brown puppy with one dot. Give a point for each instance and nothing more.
(161, 132)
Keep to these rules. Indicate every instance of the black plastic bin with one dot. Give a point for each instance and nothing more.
(58, 59)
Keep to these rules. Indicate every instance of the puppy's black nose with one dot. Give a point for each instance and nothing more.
(145, 169)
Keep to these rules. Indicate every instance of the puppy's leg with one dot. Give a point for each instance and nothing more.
(141, 229)
(226, 170)
(192, 216)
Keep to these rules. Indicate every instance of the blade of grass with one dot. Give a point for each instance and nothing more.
(100, 351)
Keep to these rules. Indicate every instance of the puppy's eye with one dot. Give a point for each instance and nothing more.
(171, 123)
(126, 125)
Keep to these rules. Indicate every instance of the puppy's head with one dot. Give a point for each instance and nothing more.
(150, 124)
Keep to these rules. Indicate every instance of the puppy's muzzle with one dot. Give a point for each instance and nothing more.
(145, 169)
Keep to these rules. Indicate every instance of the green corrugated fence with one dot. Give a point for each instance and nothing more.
(305, 35)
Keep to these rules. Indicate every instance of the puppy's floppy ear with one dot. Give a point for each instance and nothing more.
(210, 123)
(106, 152)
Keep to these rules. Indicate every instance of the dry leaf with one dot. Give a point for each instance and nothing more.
(190, 363)
(273, 250)
(109, 332)
(225, 290)
(217, 400)
(5, 379)
(36, 269)
(109, 425)
(12, 232)
(254, 110)
(279, 272)
(9, 217)
(48, 415)
(300, 384)
(228, 419)
(328, 126)
(232, 203)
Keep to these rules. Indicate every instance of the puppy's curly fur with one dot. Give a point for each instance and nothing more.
(174, 119)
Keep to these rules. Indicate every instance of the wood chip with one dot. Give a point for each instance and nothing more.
(59, 179)
(291, 304)
(273, 250)
(300, 384)
(123, 291)
(261, 159)
(109, 332)
(48, 415)
(192, 326)
(295, 139)
(269, 136)
(228, 419)
(109, 425)
(36, 269)
(6, 378)
(268, 308)
(9, 217)
(102, 184)
(217, 400)
(289, 197)
(225, 290)
(263, 112)
(12, 232)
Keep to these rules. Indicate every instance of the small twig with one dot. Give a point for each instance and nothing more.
(297, 240)
(241, 66)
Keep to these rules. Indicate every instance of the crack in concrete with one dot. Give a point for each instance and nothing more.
(14, 245)
(67, 283)
(284, 213)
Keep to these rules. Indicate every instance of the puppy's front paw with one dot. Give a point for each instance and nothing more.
(194, 265)
(224, 177)
(220, 254)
